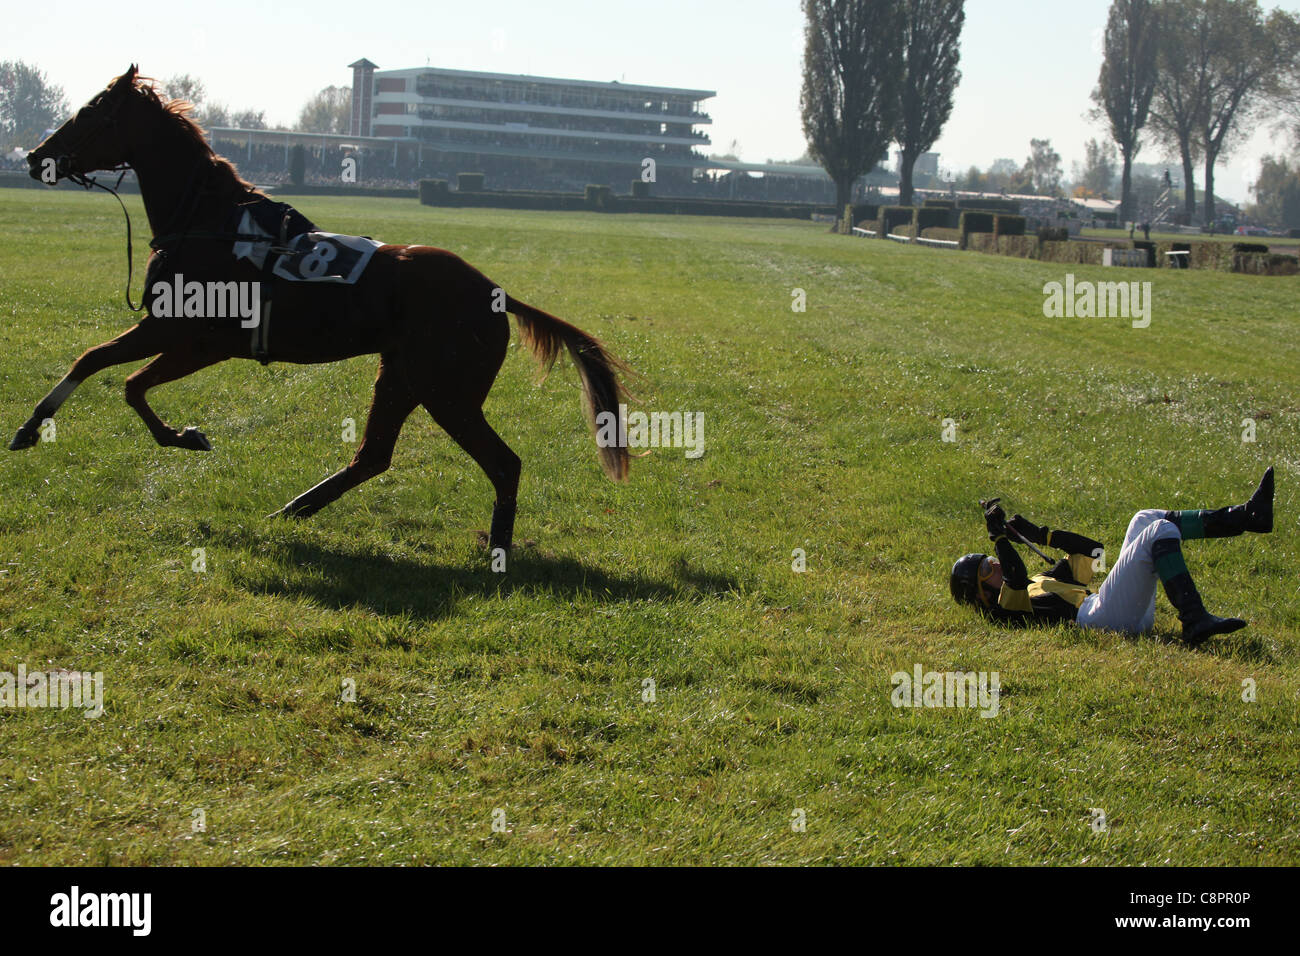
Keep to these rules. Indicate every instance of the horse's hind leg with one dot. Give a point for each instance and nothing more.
(167, 368)
(138, 342)
(390, 407)
(466, 425)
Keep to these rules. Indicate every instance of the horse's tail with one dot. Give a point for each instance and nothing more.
(544, 334)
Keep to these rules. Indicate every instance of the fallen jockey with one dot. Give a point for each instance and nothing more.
(1002, 589)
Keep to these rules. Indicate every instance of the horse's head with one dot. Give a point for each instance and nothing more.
(93, 139)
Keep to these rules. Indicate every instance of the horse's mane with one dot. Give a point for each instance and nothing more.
(178, 112)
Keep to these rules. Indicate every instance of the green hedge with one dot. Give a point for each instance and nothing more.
(1072, 251)
(521, 199)
(1008, 225)
(934, 217)
(1021, 247)
(1151, 250)
(288, 189)
(432, 192)
(940, 232)
(1265, 264)
(432, 195)
(720, 207)
(866, 212)
(892, 216)
(1220, 256)
(1211, 255)
(973, 223)
(598, 197)
(640, 189)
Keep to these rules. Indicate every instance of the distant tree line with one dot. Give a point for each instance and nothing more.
(30, 105)
(1193, 77)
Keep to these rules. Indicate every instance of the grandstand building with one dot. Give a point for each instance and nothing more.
(523, 132)
(535, 131)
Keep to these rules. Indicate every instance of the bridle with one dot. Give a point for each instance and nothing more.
(66, 154)
(189, 203)
(63, 163)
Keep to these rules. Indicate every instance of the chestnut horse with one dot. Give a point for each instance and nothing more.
(438, 324)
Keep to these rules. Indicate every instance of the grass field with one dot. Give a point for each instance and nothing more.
(517, 698)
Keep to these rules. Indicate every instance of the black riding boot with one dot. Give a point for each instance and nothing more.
(1256, 515)
(1198, 623)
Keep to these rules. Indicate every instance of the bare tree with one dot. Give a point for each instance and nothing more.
(1044, 167)
(1286, 95)
(852, 64)
(183, 86)
(1277, 193)
(1098, 170)
(1246, 56)
(1127, 83)
(931, 52)
(1177, 112)
(329, 111)
(248, 119)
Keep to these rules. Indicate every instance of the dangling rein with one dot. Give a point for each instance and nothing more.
(88, 182)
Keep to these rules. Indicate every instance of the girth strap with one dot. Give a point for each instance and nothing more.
(261, 348)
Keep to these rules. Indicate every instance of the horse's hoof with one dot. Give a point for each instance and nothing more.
(195, 440)
(291, 510)
(26, 438)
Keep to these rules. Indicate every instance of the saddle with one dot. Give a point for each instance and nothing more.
(294, 251)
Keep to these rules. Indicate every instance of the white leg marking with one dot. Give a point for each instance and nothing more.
(58, 395)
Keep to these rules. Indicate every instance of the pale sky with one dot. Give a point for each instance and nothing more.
(1028, 65)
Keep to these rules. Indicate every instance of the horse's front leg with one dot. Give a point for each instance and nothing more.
(138, 342)
(167, 368)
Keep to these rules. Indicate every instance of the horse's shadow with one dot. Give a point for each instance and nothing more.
(349, 577)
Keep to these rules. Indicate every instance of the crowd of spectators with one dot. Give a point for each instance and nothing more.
(379, 168)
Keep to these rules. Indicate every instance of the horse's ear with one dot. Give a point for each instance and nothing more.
(127, 80)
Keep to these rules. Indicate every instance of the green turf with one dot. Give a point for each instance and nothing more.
(523, 692)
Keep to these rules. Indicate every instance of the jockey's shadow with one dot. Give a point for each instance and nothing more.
(344, 577)
(1247, 646)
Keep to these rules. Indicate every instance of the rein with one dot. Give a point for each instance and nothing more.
(88, 183)
(158, 242)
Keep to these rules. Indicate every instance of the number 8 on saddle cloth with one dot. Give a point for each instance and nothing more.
(310, 255)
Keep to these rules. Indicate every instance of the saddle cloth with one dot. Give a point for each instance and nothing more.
(309, 256)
